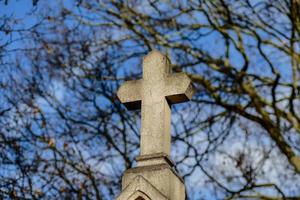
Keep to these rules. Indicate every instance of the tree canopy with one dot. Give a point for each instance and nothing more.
(64, 134)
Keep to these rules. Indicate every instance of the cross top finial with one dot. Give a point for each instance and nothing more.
(155, 93)
(156, 64)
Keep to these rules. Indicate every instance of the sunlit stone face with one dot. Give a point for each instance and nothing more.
(155, 94)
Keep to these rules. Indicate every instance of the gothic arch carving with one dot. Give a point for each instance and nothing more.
(139, 195)
(141, 189)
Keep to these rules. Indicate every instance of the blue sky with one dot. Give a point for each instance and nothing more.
(21, 9)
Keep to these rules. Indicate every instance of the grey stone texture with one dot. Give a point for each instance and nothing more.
(155, 94)
(162, 181)
(154, 176)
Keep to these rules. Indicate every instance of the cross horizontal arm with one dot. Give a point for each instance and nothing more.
(179, 88)
(130, 94)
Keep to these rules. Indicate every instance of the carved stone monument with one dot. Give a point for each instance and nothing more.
(154, 177)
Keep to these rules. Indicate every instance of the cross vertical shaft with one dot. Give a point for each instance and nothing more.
(156, 112)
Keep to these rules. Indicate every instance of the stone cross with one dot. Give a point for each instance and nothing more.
(154, 94)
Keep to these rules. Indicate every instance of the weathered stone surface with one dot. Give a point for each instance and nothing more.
(154, 94)
(162, 177)
(140, 189)
(130, 94)
(154, 159)
(154, 177)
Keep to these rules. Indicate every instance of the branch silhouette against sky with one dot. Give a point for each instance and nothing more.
(64, 134)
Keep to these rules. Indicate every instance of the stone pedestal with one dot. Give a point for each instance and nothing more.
(154, 178)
